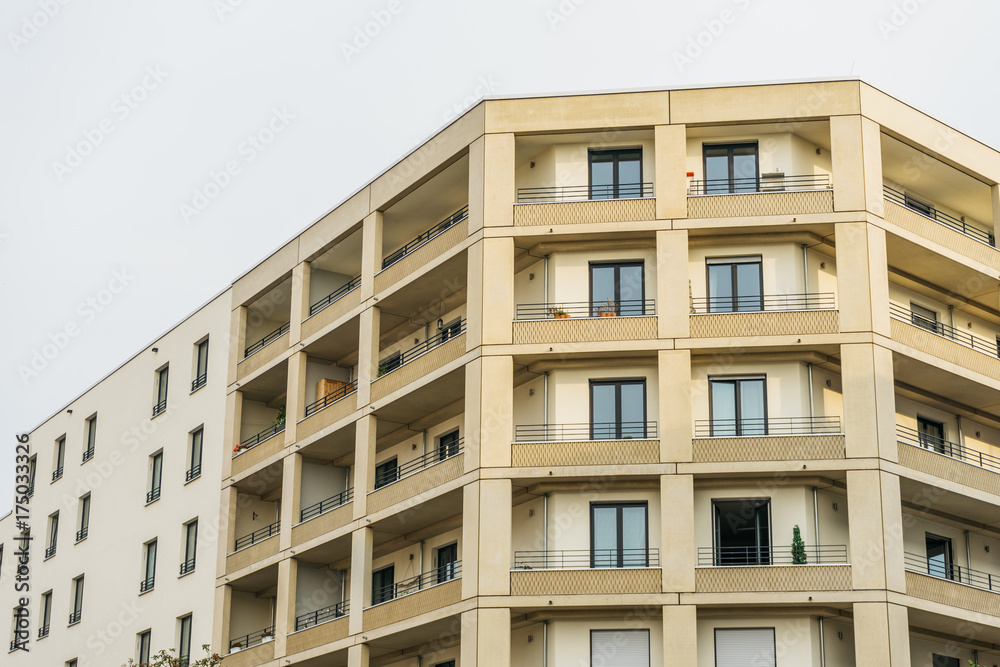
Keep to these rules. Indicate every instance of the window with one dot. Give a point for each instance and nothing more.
(925, 318)
(190, 546)
(738, 405)
(84, 529)
(184, 643)
(931, 434)
(448, 663)
(921, 207)
(58, 457)
(149, 573)
(735, 284)
(448, 445)
(382, 584)
(161, 391)
(194, 459)
(386, 472)
(938, 660)
(447, 563)
(619, 648)
(616, 174)
(618, 535)
(617, 409)
(71, 663)
(939, 563)
(200, 366)
(32, 464)
(88, 452)
(77, 612)
(390, 363)
(155, 477)
(50, 551)
(617, 289)
(145, 641)
(742, 532)
(731, 168)
(45, 617)
(450, 330)
(736, 647)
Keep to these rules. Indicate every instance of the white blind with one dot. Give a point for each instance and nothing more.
(619, 648)
(740, 647)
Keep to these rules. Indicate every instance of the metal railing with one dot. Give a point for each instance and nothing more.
(324, 615)
(724, 428)
(255, 440)
(990, 348)
(43, 631)
(332, 397)
(88, 454)
(31, 490)
(962, 575)
(395, 361)
(268, 339)
(769, 555)
(57, 473)
(931, 213)
(336, 294)
(439, 575)
(324, 506)
(561, 193)
(756, 184)
(585, 432)
(750, 303)
(199, 382)
(258, 536)
(50, 551)
(432, 233)
(438, 454)
(81, 534)
(571, 559)
(160, 407)
(152, 494)
(252, 639)
(75, 616)
(578, 309)
(193, 472)
(187, 566)
(911, 436)
(147, 584)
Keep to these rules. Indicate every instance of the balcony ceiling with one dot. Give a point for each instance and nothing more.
(426, 299)
(945, 275)
(267, 386)
(344, 257)
(432, 397)
(953, 629)
(815, 132)
(332, 447)
(938, 381)
(337, 345)
(258, 581)
(410, 643)
(429, 204)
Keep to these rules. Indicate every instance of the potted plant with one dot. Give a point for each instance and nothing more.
(267, 636)
(608, 309)
(558, 313)
(235, 647)
(798, 547)
(279, 421)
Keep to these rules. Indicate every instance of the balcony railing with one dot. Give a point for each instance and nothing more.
(187, 566)
(50, 551)
(769, 555)
(194, 472)
(75, 616)
(753, 303)
(757, 184)
(585, 431)
(252, 639)
(944, 570)
(81, 534)
(324, 615)
(725, 428)
(424, 238)
(57, 473)
(160, 407)
(88, 454)
(152, 494)
(433, 457)
(578, 309)
(332, 397)
(990, 348)
(439, 575)
(268, 339)
(43, 631)
(255, 440)
(258, 536)
(931, 213)
(147, 584)
(910, 436)
(324, 506)
(336, 294)
(563, 193)
(400, 359)
(580, 559)
(199, 382)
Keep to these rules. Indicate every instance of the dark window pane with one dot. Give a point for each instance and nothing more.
(748, 287)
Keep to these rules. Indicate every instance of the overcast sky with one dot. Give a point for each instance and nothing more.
(114, 113)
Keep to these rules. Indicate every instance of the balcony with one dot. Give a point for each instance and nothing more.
(153, 495)
(764, 315)
(57, 474)
(325, 506)
(570, 322)
(257, 536)
(950, 584)
(187, 566)
(253, 547)
(764, 195)
(944, 341)
(740, 569)
(147, 584)
(160, 408)
(332, 306)
(949, 460)
(329, 409)
(199, 382)
(324, 615)
(88, 454)
(583, 204)
(586, 572)
(423, 248)
(50, 552)
(192, 473)
(251, 639)
(399, 369)
(43, 631)
(772, 439)
(929, 212)
(418, 595)
(75, 617)
(619, 443)
(267, 340)
(263, 351)
(316, 628)
(81, 534)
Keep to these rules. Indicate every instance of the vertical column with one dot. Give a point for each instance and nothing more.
(680, 635)
(368, 350)
(233, 424)
(862, 278)
(876, 530)
(873, 623)
(995, 198)
(671, 181)
(371, 253)
(677, 548)
(358, 655)
(469, 656)
(470, 540)
(495, 542)
(490, 308)
(486, 638)
(284, 615)
(227, 527)
(361, 577)
(869, 401)
(237, 340)
(220, 619)
(491, 182)
(489, 405)
(295, 397)
(674, 427)
(856, 154)
(364, 462)
(291, 482)
(673, 288)
(300, 301)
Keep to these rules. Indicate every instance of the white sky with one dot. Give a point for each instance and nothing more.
(224, 66)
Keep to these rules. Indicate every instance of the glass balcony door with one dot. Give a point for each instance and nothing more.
(617, 409)
(619, 535)
(616, 174)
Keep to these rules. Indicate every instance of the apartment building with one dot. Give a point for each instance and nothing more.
(703, 377)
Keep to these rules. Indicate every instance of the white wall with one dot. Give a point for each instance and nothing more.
(796, 638)
(321, 480)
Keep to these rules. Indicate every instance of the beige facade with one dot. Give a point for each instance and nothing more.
(560, 386)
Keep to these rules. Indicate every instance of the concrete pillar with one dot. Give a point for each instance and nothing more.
(295, 397)
(495, 543)
(220, 620)
(876, 530)
(358, 655)
(489, 405)
(869, 401)
(361, 577)
(674, 419)
(300, 301)
(364, 463)
(284, 605)
(227, 527)
(470, 540)
(680, 635)
(856, 154)
(371, 253)
(485, 638)
(491, 182)
(995, 198)
(673, 302)
(232, 428)
(874, 622)
(291, 482)
(862, 278)
(677, 547)
(671, 181)
(368, 351)
(469, 655)
(237, 340)
(490, 304)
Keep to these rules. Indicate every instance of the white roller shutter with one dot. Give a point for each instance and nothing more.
(744, 647)
(619, 648)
